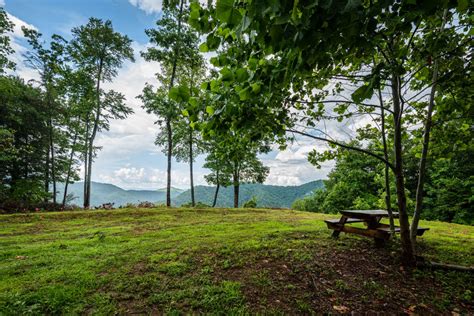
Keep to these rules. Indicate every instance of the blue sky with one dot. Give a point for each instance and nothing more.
(129, 157)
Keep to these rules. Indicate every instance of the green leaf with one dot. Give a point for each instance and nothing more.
(244, 94)
(179, 94)
(362, 93)
(203, 48)
(255, 87)
(241, 74)
(185, 112)
(226, 12)
(210, 110)
(226, 74)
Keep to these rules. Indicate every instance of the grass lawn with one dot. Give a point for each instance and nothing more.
(153, 261)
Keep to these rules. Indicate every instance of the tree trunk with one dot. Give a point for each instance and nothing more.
(94, 133)
(170, 146)
(386, 167)
(53, 165)
(193, 203)
(46, 174)
(424, 151)
(236, 181)
(68, 176)
(236, 195)
(408, 257)
(86, 173)
(217, 191)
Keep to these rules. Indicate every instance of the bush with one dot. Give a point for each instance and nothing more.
(252, 203)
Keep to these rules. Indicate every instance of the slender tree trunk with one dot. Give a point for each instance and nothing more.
(53, 165)
(46, 173)
(170, 151)
(386, 167)
(86, 155)
(408, 256)
(217, 189)
(94, 133)
(68, 176)
(236, 186)
(193, 202)
(424, 151)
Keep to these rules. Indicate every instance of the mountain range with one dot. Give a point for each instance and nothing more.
(265, 195)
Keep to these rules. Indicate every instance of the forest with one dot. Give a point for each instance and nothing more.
(238, 79)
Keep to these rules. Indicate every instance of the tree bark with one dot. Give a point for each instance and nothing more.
(86, 155)
(408, 256)
(193, 203)
(46, 173)
(94, 133)
(217, 189)
(168, 175)
(68, 176)
(424, 150)
(53, 165)
(236, 181)
(387, 178)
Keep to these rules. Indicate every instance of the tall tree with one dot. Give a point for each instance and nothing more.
(100, 51)
(291, 55)
(48, 62)
(175, 49)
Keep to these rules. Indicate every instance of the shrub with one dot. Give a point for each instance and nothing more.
(252, 203)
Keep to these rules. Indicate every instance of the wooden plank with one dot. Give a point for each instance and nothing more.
(348, 221)
(366, 214)
(373, 233)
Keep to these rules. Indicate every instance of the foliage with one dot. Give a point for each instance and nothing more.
(252, 203)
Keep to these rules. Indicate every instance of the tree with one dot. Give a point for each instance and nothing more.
(98, 50)
(5, 49)
(176, 51)
(48, 63)
(220, 172)
(295, 56)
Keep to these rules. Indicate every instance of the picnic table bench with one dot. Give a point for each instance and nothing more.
(371, 219)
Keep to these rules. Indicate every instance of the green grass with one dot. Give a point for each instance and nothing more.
(210, 261)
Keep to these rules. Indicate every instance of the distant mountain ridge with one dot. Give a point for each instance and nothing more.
(109, 193)
(266, 195)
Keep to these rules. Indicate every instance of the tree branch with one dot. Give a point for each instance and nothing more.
(367, 152)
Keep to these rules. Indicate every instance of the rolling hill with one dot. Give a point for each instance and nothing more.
(266, 195)
(109, 193)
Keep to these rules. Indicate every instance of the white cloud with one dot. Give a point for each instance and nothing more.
(149, 178)
(149, 6)
(2, 3)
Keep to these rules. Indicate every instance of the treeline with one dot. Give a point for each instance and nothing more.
(49, 126)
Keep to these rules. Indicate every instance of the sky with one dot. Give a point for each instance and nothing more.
(128, 157)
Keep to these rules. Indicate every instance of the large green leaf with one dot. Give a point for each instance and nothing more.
(226, 12)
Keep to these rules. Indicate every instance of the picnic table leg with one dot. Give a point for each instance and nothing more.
(373, 224)
(342, 221)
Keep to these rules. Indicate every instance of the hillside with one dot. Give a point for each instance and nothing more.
(220, 262)
(267, 195)
(109, 193)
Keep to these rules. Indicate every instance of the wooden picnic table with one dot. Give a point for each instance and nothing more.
(371, 219)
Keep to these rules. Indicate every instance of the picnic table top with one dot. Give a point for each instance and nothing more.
(366, 213)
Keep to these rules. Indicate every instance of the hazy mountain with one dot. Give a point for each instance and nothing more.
(266, 195)
(105, 193)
